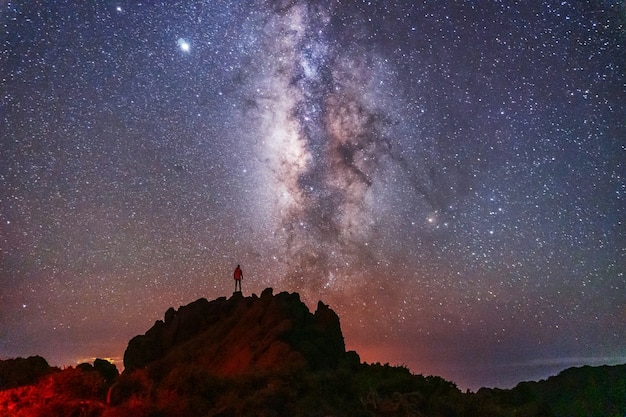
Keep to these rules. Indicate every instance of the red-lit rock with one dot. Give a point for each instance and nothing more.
(241, 334)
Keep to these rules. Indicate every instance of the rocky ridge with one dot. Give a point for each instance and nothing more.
(241, 334)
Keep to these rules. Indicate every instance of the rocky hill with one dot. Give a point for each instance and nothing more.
(229, 337)
(23, 371)
(584, 391)
(270, 356)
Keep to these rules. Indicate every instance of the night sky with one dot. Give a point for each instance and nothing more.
(449, 176)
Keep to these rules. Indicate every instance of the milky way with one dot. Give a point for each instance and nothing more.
(448, 176)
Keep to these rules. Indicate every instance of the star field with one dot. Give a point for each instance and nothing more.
(448, 176)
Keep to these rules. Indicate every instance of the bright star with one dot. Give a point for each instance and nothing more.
(183, 45)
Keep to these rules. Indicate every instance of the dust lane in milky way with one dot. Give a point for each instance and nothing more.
(448, 177)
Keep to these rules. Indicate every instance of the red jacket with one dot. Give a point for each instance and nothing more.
(238, 274)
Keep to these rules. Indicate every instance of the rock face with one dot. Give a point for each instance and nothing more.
(22, 371)
(241, 334)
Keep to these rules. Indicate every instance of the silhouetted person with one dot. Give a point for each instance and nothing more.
(238, 275)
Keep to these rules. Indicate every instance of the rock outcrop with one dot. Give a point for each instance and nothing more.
(241, 334)
(22, 371)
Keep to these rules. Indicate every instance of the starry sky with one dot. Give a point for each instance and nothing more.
(449, 176)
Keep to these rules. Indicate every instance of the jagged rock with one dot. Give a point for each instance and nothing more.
(241, 334)
(22, 371)
(106, 369)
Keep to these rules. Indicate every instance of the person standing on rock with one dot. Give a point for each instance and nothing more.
(238, 275)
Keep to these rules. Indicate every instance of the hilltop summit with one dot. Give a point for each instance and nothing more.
(239, 335)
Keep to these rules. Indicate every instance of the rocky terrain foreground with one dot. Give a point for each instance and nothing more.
(268, 355)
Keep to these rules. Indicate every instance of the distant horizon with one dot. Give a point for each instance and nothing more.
(545, 368)
(543, 375)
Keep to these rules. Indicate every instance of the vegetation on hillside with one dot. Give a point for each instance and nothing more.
(351, 389)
